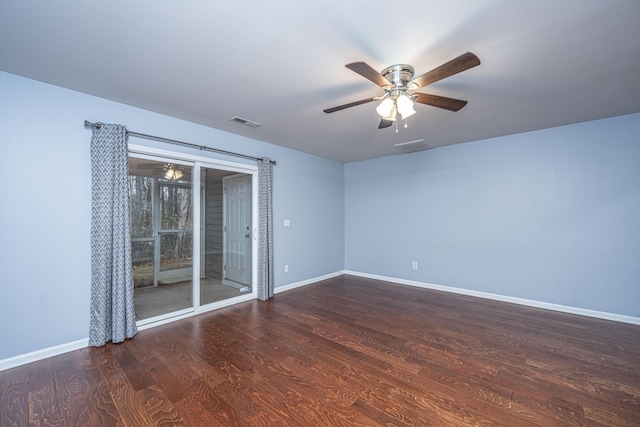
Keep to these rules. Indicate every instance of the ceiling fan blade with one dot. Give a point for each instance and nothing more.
(450, 104)
(366, 71)
(351, 104)
(385, 123)
(455, 66)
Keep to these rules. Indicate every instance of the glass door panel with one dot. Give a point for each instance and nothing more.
(141, 200)
(161, 205)
(176, 255)
(237, 230)
(213, 285)
(175, 232)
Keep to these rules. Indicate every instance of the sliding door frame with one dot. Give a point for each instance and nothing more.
(197, 163)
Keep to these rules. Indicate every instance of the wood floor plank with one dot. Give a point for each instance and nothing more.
(71, 386)
(100, 405)
(347, 351)
(158, 373)
(158, 407)
(44, 409)
(14, 397)
(200, 379)
(194, 414)
(378, 416)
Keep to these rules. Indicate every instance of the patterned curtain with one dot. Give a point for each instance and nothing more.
(112, 309)
(265, 229)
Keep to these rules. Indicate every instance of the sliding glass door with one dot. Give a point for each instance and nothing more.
(192, 229)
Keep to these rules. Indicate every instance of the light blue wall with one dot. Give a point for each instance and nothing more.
(46, 200)
(551, 216)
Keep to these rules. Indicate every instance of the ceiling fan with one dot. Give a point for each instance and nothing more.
(399, 85)
(167, 171)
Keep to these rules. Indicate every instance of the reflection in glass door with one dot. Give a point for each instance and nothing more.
(174, 236)
(161, 205)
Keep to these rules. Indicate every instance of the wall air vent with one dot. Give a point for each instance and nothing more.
(245, 122)
(413, 146)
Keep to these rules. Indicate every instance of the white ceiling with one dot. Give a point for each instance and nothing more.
(281, 62)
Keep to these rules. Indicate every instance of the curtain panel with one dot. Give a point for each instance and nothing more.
(265, 229)
(112, 306)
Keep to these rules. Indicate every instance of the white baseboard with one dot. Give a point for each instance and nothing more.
(522, 301)
(34, 356)
(307, 282)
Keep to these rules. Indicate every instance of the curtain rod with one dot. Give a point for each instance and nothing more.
(184, 144)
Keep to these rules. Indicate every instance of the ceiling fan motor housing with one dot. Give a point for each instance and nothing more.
(400, 75)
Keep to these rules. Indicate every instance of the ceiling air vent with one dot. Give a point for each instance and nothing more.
(245, 122)
(413, 146)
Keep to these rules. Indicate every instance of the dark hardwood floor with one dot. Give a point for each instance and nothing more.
(347, 352)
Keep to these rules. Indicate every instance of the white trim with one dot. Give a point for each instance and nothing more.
(197, 193)
(164, 318)
(142, 151)
(307, 282)
(189, 312)
(44, 353)
(514, 300)
(227, 302)
(23, 359)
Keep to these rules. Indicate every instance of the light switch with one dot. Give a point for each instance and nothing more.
(287, 222)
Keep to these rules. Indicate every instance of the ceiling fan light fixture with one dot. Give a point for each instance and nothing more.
(392, 114)
(405, 106)
(385, 107)
(172, 172)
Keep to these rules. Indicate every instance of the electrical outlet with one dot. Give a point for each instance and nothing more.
(414, 265)
(286, 268)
